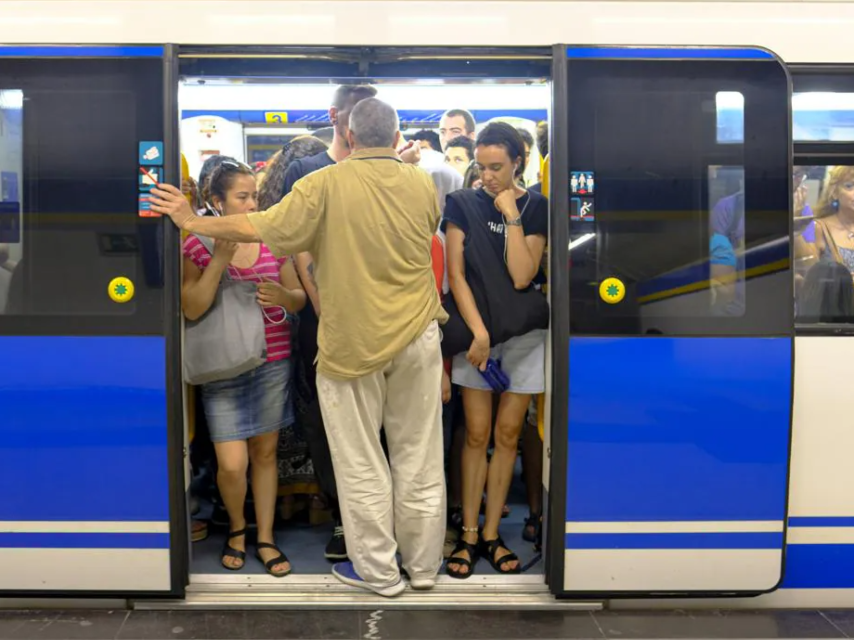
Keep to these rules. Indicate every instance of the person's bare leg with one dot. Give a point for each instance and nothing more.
(508, 426)
(232, 460)
(477, 405)
(265, 486)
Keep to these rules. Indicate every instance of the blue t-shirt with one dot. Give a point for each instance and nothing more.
(304, 166)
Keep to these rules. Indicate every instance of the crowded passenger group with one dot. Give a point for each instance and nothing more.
(391, 345)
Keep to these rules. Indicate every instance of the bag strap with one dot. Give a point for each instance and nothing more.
(208, 244)
(829, 242)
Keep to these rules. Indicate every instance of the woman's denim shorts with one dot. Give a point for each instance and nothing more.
(249, 405)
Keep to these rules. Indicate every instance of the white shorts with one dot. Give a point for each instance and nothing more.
(523, 359)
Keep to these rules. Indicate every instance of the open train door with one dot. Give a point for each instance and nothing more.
(672, 328)
(89, 324)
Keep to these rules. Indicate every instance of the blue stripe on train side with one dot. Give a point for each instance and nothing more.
(83, 433)
(741, 540)
(84, 540)
(73, 51)
(676, 429)
(823, 521)
(819, 566)
(669, 53)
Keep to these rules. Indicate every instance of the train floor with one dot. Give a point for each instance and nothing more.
(426, 625)
(304, 545)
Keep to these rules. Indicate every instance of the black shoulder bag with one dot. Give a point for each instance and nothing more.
(506, 311)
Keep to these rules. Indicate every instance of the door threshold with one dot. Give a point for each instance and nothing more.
(232, 592)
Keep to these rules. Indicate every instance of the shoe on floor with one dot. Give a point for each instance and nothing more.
(337, 547)
(422, 584)
(199, 531)
(346, 573)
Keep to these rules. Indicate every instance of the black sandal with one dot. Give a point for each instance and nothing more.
(531, 530)
(269, 564)
(491, 547)
(230, 552)
(474, 555)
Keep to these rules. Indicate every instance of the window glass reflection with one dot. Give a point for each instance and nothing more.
(824, 244)
(11, 163)
(823, 117)
(726, 240)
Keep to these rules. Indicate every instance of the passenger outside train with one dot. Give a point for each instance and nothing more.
(454, 123)
(297, 476)
(244, 414)
(308, 403)
(380, 360)
(511, 222)
(827, 294)
(459, 153)
(727, 241)
(834, 225)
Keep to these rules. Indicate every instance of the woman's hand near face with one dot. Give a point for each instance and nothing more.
(505, 202)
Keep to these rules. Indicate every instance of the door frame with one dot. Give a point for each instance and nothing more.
(349, 64)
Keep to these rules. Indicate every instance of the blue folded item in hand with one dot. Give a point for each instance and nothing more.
(495, 377)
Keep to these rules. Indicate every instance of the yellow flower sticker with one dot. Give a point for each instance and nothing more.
(612, 290)
(120, 289)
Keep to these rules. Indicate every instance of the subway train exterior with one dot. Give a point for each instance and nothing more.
(694, 457)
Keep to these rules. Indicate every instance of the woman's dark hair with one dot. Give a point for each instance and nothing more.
(463, 142)
(208, 168)
(299, 147)
(527, 138)
(223, 177)
(827, 294)
(501, 134)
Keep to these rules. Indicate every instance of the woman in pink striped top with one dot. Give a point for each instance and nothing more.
(245, 413)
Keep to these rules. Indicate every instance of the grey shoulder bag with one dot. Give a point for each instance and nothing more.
(228, 340)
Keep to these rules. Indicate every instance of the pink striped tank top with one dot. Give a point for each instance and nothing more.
(267, 266)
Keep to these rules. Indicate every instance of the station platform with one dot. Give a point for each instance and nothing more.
(422, 625)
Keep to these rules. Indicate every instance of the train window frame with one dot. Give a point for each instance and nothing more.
(137, 80)
(755, 86)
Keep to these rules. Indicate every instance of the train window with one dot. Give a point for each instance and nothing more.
(823, 116)
(11, 168)
(687, 203)
(824, 244)
(729, 107)
(72, 194)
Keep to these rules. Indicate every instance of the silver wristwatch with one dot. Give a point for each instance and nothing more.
(515, 222)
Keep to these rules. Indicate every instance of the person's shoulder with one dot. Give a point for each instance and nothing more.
(537, 198)
(304, 166)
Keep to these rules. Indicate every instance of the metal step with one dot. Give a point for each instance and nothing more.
(218, 592)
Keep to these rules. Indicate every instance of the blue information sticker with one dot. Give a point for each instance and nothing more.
(151, 153)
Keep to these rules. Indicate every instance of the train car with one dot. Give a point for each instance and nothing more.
(695, 427)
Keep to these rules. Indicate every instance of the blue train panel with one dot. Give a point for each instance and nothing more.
(83, 435)
(678, 429)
